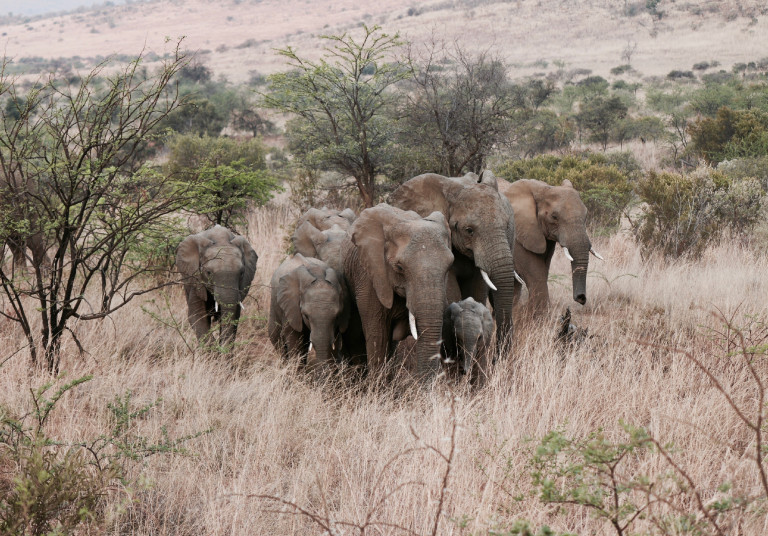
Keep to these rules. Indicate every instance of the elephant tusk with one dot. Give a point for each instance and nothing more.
(333, 345)
(568, 255)
(488, 280)
(216, 306)
(241, 306)
(412, 323)
(310, 346)
(519, 279)
(596, 254)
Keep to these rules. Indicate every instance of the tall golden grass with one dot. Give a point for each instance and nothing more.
(348, 452)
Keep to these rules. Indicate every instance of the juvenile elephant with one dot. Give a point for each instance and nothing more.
(396, 264)
(325, 218)
(467, 330)
(544, 217)
(218, 267)
(482, 228)
(310, 307)
(323, 245)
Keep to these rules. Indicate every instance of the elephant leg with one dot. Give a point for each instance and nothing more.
(19, 255)
(294, 344)
(39, 256)
(452, 288)
(198, 316)
(376, 344)
(538, 290)
(480, 369)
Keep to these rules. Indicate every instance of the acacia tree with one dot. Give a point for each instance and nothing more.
(457, 107)
(340, 103)
(65, 160)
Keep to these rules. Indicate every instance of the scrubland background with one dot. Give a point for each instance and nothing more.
(348, 452)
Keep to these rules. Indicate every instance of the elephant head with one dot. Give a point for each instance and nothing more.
(309, 299)
(325, 218)
(467, 330)
(482, 227)
(323, 245)
(218, 267)
(547, 215)
(397, 264)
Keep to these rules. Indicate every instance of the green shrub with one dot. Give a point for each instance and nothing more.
(685, 213)
(603, 181)
(731, 134)
(742, 168)
(226, 175)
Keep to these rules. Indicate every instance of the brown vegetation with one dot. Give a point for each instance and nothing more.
(351, 453)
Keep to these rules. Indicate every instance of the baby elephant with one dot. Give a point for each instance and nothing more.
(467, 329)
(309, 308)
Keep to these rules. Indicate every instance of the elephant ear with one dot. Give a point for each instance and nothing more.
(527, 230)
(368, 237)
(438, 218)
(250, 258)
(289, 296)
(487, 177)
(304, 239)
(511, 229)
(567, 183)
(188, 262)
(426, 193)
(349, 215)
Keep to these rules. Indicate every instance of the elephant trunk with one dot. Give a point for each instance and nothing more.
(227, 295)
(428, 314)
(322, 336)
(578, 249)
(499, 266)
(467, 349)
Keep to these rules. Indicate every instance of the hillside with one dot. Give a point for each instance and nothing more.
(237, 37)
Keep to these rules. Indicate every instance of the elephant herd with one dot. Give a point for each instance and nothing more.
(424, 265)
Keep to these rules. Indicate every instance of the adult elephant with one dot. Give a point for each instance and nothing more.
(544, 217)
(218, 267)
(310, 307)
(396, 264)
(482, 228)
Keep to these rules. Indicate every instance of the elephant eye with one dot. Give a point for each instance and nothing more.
(554, 216)
(470, 231)
(399, 268)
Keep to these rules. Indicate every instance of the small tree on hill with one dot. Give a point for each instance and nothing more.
(458, 106)
(340, 103)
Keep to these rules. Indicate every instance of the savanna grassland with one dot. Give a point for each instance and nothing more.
(652, 419)
(356, 453)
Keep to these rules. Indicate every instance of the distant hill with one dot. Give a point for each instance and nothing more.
(236, 38)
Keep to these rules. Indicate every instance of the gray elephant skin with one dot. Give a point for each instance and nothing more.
(310, 306)
(467, 331)
(482, 228)
(324, 245)
(218, 267)
(544, 217)
(396, 264)
(325, 218)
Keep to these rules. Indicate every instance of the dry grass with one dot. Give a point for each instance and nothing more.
(342, 451)
(589, 33)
